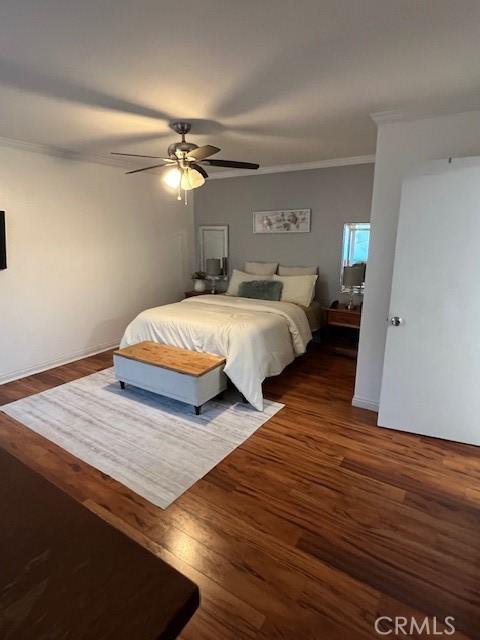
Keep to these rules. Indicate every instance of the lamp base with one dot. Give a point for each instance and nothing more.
(214, 280)
(350, 306)
(352, 292)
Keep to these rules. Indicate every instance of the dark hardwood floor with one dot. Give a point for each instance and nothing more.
(317, 525)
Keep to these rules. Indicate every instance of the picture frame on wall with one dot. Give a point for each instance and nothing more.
(282, 221)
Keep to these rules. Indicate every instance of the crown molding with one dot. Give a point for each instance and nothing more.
(60, 152)
(115, 161)
(390, 117)
(298, 166)
(386, 117)
(408, 115)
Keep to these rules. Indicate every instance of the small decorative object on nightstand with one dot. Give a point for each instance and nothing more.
(199, 281)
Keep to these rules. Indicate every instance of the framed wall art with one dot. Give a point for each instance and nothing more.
(282, 221)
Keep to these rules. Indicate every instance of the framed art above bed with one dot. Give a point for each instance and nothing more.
(282, 221)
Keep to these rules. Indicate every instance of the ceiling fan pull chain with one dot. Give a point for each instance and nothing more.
(186, 197)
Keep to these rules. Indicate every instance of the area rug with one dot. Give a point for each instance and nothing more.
(155, 446)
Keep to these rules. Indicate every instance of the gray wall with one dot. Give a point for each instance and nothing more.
(335, 195)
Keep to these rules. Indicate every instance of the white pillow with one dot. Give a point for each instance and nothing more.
(297, 289)
(240, 276)
(297, 271)
(261, 268)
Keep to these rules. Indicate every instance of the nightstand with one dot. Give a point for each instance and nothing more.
(343, 329)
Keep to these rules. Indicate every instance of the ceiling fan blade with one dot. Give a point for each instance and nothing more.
(132, 155)
(202, 152)
(154, 166)
(231, 163)
(200, 169)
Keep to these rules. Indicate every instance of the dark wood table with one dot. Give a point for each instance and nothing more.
(66, 574)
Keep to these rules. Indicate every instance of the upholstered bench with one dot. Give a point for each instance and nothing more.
(190, 376)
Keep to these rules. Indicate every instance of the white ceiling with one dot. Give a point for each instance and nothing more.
(272, 81)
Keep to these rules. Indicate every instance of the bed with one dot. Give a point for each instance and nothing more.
(258, 338)
(314, 315)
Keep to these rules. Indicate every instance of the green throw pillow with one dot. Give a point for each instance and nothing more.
(261, 290)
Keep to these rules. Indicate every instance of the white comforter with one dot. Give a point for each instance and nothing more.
(258, 338)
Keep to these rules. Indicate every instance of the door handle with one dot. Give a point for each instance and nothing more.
(396, 321)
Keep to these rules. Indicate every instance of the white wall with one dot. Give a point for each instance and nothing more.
(400, 147)
(88, 248)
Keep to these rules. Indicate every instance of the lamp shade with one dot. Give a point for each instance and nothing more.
(213, 266)
(353, 276)
(191, 179)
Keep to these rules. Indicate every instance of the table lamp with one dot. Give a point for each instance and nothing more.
(352, 280)
(214, 271)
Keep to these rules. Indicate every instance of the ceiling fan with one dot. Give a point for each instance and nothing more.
(185, 160)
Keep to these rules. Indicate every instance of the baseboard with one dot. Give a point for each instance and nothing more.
(9, 376)
(364, 403)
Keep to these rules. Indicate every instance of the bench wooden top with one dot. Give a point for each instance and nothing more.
(191, 363)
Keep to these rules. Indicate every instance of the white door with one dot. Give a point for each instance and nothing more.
(431, 377)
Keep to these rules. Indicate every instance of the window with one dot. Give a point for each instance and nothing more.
(356, 238)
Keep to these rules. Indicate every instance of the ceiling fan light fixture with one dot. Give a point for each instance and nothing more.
(172, 178)
(191, 179)
(187, 159)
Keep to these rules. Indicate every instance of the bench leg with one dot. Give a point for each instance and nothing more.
(198, 410)
(122, 384)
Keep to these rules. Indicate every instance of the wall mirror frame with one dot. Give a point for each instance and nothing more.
(212, 243)
(355, 246)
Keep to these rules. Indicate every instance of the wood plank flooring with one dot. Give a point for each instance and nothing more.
(314, 527)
